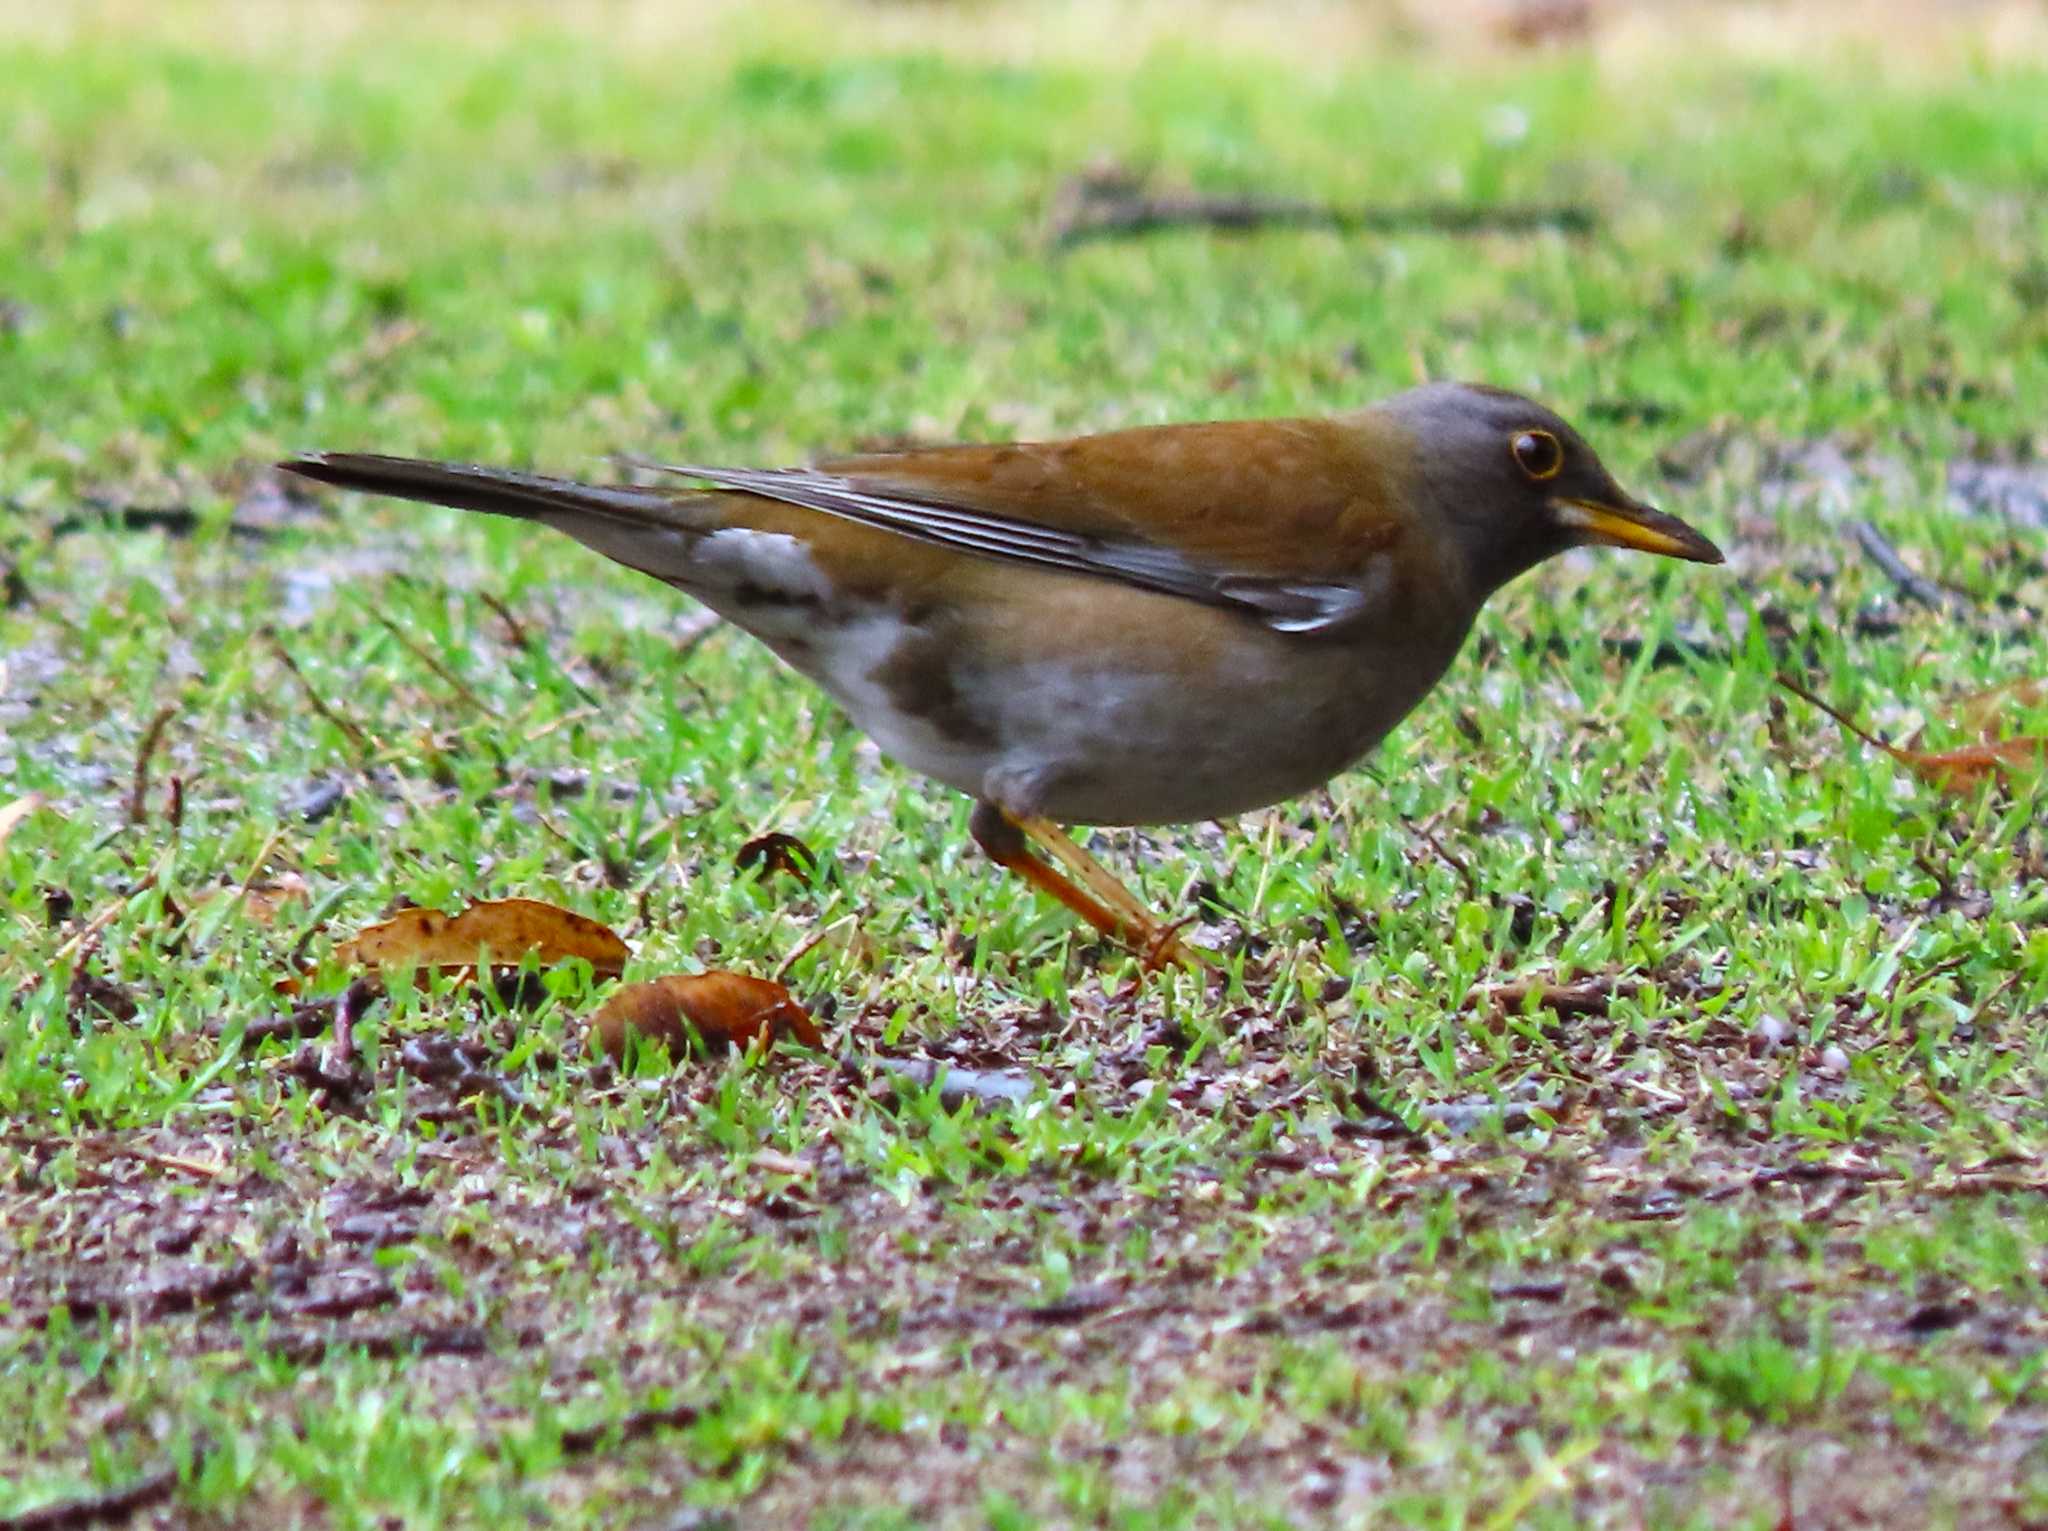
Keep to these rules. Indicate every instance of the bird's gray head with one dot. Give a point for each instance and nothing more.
(1516, 484)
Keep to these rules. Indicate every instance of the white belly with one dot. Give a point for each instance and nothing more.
(1097, 741)
(1084, 701)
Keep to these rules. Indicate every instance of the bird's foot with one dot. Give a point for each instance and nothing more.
(1092, 891)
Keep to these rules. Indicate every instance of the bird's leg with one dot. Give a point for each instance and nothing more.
(1157, 942)
(1003, 839)
(1097, 897)
(1152, 937)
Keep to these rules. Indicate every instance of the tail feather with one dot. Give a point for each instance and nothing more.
(656, 531)
(498, 491)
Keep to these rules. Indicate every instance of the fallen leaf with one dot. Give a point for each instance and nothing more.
(777, 852)
(16, 811)
(1956, 770)
(721, 1009)
(1959, 770)
(1981, 709)
(497, 933)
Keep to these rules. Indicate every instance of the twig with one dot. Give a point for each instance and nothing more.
(1115, 209)
(1914, 587)
(984, 1087)
(562, 834)
(361, 740)
(113, 1506)
(522, 638)
(420, 652)
(809, 944)
(617, 874)
(172, 520)
(1984, 1004)
(313, 1017)
(152, 736)
(1459, 1117)
(1839, 716)
(341, 1051)
(514, 628)
(1950, 770)
(1663, 653)
(1427, 831)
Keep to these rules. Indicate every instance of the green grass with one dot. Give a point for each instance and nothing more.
(1698, 1270)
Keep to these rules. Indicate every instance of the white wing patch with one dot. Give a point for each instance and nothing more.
(1307, 606)
(772, 563)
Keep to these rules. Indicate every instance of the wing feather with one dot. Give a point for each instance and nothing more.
(1286, 605)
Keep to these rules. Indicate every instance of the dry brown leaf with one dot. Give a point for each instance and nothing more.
(723, 1009)
(1956, 770)
(497, 933)
(16, 811)
(1981, 710)
(1959, 770)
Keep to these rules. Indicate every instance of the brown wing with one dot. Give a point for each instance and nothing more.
(1282, 519)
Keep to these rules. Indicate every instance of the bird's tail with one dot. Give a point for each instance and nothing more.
(500, 491)
(656, 531)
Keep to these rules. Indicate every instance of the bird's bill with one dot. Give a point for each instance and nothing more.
(1633, 525)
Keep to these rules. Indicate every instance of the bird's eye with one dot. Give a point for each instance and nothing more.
(1538, 454)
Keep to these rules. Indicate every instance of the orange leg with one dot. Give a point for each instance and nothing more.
(1096, 897)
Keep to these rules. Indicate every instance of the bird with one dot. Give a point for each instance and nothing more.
(1146, 626)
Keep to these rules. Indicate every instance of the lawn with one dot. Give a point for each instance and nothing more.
(1619, 1102)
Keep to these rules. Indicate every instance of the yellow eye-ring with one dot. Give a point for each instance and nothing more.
(1538, 454)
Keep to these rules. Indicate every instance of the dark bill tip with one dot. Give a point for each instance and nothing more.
(1634, 525)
